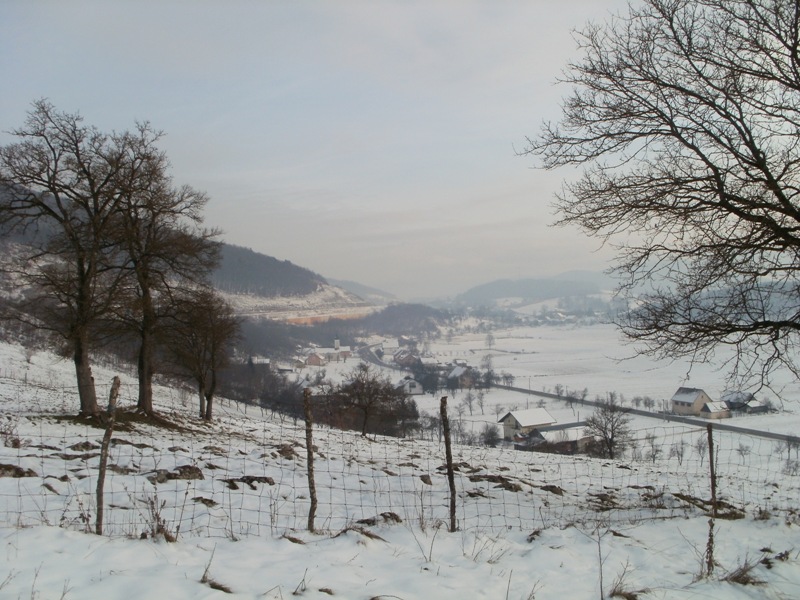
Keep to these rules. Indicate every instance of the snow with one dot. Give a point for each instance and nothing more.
(522, 541)
(326, 302)
(531, 417)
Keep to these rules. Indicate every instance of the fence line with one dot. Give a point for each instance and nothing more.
(247, 475)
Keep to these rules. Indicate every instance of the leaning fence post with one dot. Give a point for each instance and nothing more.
(449, 455)
(312, 489)
(101, 476)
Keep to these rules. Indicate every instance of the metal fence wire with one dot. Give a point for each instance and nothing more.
(246, 475)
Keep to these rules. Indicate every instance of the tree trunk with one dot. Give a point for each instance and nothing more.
(201, 392)
(145, 362)
(83, 372)
(209, 406)
(210, 395)
(145, 373)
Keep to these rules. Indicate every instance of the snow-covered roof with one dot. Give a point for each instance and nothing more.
(457, 372)
(687, 394)
(529, 418)
(563, 435)
(334, 350)
(738, 397)
(714, 407)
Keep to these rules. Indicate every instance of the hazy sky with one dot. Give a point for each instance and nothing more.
(367, 140)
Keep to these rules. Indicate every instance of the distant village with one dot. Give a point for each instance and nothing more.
(529, 429)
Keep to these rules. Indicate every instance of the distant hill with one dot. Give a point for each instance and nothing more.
(243, 271)
(576, 283)
(364, 291)
(260, 286)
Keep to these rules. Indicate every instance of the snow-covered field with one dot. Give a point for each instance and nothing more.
(530, 525)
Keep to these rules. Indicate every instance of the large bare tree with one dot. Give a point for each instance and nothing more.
(685, 115)
(67, 180)
(159, 233)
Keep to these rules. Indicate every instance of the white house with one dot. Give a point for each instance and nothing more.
(689, 401)
(522, 422)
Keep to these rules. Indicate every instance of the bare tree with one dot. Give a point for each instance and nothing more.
(743, 450)
(490, 340)
(701, 447)
(655, 451)
(158, 231)
(678, 450)
(686, 116)
(482, 401)
(67, 180)
(367, 392)
(610, 426)
(469, 401)
(200, 335)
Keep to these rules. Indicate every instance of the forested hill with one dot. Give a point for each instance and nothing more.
(243, 271)
(531, 290)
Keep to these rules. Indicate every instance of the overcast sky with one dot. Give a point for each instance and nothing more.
(374, 141)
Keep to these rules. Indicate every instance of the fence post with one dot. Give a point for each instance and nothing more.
(101, 476)
(712, 471)
(449, 455)
(312, 489)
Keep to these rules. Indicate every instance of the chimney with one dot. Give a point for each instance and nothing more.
(335, 344)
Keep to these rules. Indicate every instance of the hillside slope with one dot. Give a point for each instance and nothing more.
(233, 494)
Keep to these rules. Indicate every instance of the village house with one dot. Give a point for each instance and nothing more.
(405, 358)
(409, 386)
(336, 354)
(744, 403)
(315, 359)
(460, 377)
(256, 359)
(715, 410)
(567, 438)
(519, 423)
(695, 402)
(689, 401)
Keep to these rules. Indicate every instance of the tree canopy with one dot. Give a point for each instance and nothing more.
(685, 115)
(115, 238)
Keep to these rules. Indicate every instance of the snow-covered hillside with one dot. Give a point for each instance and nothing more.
(326, 302)
(235, 496)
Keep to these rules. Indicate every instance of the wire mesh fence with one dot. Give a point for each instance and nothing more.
(246, 475)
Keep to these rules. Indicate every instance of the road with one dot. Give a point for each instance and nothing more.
(368, 355)
(720, 426)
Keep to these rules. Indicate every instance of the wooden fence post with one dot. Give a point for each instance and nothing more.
(312, 489)
(449, 455)
(101, 476)
(709, 556)
(712, 471)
